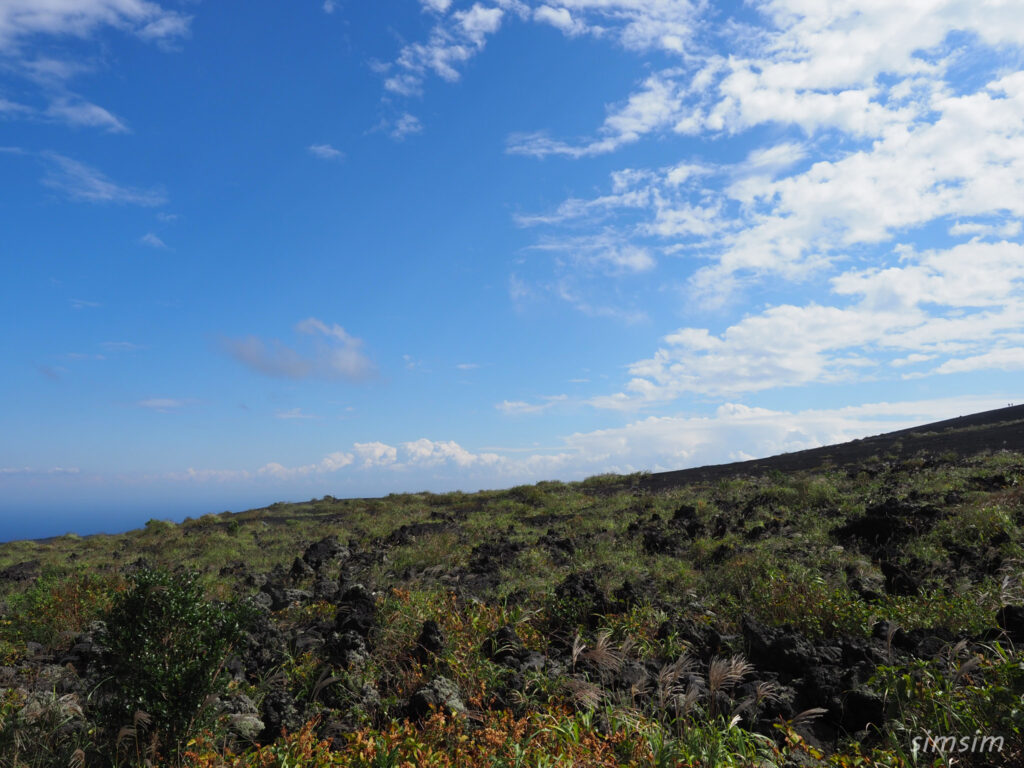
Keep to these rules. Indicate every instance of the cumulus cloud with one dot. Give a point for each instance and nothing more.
(375, 454)
(561, 19)
(331, 354)
(331, 463)
(935, 304)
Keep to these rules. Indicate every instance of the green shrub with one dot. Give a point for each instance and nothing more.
(166, 647)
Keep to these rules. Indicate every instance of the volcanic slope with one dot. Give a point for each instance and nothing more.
(818, 608)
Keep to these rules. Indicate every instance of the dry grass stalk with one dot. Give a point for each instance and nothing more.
(726, 673)
(585, 695)
(604, 654)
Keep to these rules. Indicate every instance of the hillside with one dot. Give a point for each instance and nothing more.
(823, 607)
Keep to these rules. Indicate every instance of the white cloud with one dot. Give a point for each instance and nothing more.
(520, 407)
(427, 453)
(732, 432)
(23, 19)
(329, 6)
(13, 108)
(640, 25)
(152, 241)
(736, 432)
(453, 41)
(655, 106)
(405, 125)
(326, 152)
(13, 472)
(437, 6)
(758, 219)
(83, 183)
(604, 252)
(332, 462)
(561, 19)
(467, 366)
(1004, 359)
(967, 299)
(376, 454)
(1010, 228)
(777, 156)
(78, 112)
(335, 354)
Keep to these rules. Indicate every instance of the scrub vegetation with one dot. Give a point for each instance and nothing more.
(834, 616)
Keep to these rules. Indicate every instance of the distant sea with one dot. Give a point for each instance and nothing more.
(18, 522)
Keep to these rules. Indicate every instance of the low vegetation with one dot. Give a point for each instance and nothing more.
(837, 617)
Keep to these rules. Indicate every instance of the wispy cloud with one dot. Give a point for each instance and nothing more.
(83, 304)
(84, 183)
(654, 107)
(78, 112)
(152, 241)
(520, 407)
(454, 40)
(23, 19)
(326, 152)
(405, 125)
(332, 354)
(12, 108)
(30, 472)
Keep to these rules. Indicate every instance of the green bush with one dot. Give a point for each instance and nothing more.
(166, 647)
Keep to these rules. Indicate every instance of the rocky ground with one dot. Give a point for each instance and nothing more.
(775, 600)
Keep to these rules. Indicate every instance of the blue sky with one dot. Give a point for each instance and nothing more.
(277, 251)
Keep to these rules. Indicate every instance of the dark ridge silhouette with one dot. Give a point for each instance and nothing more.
(1000, 429)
